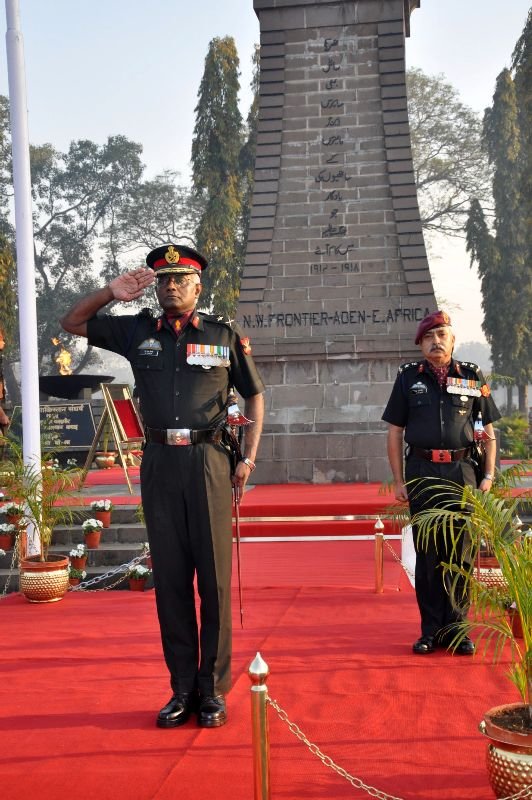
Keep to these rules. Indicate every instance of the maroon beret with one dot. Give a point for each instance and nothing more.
(435, 320)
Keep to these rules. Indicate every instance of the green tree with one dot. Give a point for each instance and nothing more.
(75, 196)
(502, 257)
(158, 211)
(6, 180)
(450, 165)
(216, 147)
(8, 319)
(522, 64)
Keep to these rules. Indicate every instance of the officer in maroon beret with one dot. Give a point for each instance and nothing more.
(185, 365)
(433, 406)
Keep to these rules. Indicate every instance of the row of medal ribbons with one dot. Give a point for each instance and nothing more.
(208, 355)
(463, 386)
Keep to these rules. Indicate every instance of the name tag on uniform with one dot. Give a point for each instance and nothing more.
(150, 347)
(208, 355)
(463, 386)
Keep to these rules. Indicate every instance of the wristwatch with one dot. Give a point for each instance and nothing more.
(488, 476)
(249, 463)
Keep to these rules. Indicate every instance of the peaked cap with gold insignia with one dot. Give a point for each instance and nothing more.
(176, 259)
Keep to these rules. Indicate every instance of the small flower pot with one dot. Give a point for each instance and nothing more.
(74, 581)
(78, 562)
(104, 517)
(105, 460)
(7, 541)
(92, 539)
(137, 584)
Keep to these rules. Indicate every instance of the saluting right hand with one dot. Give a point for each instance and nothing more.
(131, 285)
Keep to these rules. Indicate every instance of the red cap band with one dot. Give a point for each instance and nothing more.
(183, 262)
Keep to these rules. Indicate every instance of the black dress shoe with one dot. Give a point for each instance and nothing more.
(424, 645)
(177, 710)
(212, 712)
(465, 648)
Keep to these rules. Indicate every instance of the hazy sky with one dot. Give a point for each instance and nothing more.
(101, 67)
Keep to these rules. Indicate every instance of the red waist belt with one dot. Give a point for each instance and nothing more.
(441, 456)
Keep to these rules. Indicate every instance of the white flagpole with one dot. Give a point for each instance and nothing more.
(25, 253)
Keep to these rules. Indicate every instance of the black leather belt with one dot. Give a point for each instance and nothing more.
(441, 456)
(182, 436)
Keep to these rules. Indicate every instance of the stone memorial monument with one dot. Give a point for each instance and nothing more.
(336, 276)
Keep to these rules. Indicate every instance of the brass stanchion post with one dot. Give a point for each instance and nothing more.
(379, 556)
(258, 673)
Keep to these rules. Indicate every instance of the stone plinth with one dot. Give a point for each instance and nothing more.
(336, 275)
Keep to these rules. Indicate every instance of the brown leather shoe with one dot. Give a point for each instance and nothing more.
(177, 710)
(212, 712)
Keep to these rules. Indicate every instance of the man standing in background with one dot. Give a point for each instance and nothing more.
(434, 404)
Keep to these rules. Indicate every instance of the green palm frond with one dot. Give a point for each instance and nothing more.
(468, 516)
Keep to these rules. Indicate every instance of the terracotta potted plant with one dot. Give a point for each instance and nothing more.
(75, 576)
(102, 511)
(492, 518)
(78, 557)
(137, 578)
(8, 533)
(14, 513)
(92, 530)
(42, 491)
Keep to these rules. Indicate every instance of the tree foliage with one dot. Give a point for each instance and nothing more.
(450, 165)
(216, 148)
(92, 212)
(503, 256)
(8, 305)
(5, 168)
(158, 211)
(75, 195)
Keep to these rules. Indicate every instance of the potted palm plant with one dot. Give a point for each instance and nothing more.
(42, 492)
(492, 519)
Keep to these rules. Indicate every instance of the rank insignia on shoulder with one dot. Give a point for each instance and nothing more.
(470, 365)
(410, 365)
(246, 346)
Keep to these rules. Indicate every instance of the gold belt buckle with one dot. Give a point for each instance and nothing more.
(441, 456)
(177, 436)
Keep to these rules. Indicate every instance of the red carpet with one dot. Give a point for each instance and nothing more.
(84, 677)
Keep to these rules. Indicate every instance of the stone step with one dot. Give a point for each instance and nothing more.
(117, 533)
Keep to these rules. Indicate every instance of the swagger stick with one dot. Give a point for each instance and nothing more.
(237, 536)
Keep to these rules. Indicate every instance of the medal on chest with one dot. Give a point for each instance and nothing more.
(463, 386)
(208, 355)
